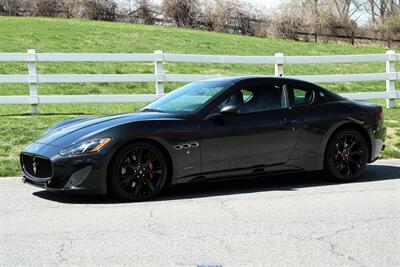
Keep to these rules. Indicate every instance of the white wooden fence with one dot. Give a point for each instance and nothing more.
(32, 78)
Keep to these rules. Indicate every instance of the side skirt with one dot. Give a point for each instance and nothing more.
(292, 166)
(242, 177)
(308, 164)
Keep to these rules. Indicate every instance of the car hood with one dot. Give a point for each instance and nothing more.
(71, 131)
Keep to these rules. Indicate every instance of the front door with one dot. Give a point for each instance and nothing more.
(262, 133)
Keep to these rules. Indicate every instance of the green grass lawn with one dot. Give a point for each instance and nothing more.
(18, 127)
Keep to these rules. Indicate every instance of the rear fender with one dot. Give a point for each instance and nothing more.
(365, 130)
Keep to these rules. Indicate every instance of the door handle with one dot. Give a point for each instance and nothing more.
(287, 121)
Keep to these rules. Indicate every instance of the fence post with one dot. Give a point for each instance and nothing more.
(279, 64)
(34, 99)
(159, 71)
(391, 81)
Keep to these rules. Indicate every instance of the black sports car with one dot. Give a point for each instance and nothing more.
(213, 129)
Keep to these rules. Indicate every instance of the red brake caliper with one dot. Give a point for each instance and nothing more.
(335, 157)
(150, 167)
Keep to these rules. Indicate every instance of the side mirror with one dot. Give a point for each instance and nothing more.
(229, 110)
(225, 111)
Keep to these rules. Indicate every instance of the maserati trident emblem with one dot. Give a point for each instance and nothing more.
(35, 166)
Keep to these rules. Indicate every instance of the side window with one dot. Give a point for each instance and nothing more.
(247, 95)
(258, 98)
(301, 96)
(236, 99)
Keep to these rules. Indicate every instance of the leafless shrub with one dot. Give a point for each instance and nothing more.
(46, 8)
(318, 19)
(100, 9)
(183, 12)
(72, 8)
(10, 7)
(143, 12)
(287, 21)
(232, 16)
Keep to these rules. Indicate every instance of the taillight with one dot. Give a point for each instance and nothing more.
(379, 115)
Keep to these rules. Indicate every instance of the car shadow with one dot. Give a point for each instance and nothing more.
(287, 182)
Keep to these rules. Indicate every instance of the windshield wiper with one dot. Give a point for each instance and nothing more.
(152, 110)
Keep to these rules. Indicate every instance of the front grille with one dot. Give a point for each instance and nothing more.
(37, 167)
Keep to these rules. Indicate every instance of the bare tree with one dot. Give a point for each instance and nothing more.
(182, 12)
(346, 10)
(100, 9)
(315, 15)
(371, 9)
(230, 16)
(288, 20)
(318, 18)
(144, 12)
(382, 9)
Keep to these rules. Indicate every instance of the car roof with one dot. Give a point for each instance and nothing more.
(236, 79)
(249, 78)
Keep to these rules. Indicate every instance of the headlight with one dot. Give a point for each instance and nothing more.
(89, 146)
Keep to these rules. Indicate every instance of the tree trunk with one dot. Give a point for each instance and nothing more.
(382, 10)
(372, 6)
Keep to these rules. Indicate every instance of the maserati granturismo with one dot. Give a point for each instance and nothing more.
(220, 128)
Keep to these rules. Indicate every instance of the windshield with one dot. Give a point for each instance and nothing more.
(187, 99)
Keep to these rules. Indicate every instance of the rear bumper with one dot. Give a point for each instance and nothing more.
(377, 143)
(377, 149)
(84, 174)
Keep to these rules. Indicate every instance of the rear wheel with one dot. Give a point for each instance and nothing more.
(138, 172)
(346, 155)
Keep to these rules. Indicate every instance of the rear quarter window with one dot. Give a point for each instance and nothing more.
(302, 96)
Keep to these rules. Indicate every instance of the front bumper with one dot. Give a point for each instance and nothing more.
(84, 173)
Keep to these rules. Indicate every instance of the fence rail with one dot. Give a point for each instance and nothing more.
(32, 78)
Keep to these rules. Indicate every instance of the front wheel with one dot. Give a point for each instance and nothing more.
(138, 172)
(346, 155)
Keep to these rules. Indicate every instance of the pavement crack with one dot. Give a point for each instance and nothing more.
(334, 251)
(60, 253)
(336, 232)
(334, 248)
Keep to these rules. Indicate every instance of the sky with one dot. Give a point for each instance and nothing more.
(266, 3)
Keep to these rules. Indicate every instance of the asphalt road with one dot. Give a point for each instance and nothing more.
(273, 221)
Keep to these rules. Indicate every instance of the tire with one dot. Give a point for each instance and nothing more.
(137, 172)
(346, 156)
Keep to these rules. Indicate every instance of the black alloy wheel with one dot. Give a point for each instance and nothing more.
(346, 155)
(138, 172)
